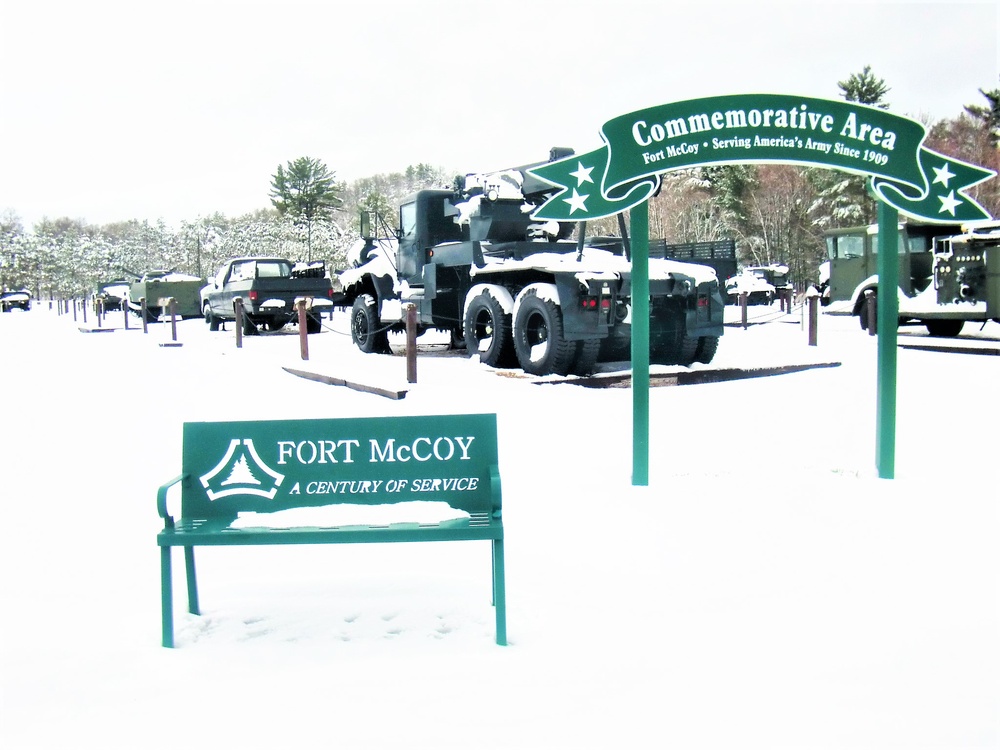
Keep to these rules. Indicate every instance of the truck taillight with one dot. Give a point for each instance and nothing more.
(592, 303)
(703, 302)
(253, 295)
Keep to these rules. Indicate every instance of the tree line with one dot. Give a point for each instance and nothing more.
(776, 213)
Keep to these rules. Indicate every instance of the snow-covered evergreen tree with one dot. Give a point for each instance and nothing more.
(842, 200)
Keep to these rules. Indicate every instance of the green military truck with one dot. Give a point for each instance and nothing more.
(520, 292)
(158, 287)
(962, 284)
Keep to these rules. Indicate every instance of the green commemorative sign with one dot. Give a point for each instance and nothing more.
(762, 128)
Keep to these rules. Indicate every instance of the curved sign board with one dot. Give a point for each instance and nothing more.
(762, 128)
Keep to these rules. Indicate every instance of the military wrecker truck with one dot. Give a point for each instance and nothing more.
(516, 291)
(964, 284)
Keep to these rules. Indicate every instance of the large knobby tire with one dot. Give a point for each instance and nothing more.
(944, 328)
(585, 357)
(669, 342)
(456, 338)
(365, 331)
(314, 323)
(863, 313)
(617, 347)
(211, 319)
(707, 347)
(539, 343)
(488, 332)
(249, 327)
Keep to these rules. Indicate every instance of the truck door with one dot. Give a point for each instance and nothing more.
(240, 276)
(848, 268)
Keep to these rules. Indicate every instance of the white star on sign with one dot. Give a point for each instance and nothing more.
(582, 174)
(948, 203)
(577, 201)
(942, 175)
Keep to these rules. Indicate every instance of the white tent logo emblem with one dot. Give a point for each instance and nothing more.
(241, 472)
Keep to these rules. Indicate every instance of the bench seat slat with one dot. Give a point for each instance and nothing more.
(187, 533)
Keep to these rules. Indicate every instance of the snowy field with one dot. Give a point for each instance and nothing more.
(766, 590)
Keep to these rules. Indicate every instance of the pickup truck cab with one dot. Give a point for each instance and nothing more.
(269, 288)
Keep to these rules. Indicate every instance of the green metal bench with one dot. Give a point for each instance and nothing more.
(233, 468)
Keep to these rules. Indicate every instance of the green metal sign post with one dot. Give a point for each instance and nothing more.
(904, 176)
(888, 314)
(640, 344)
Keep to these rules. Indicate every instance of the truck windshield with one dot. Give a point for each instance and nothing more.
(273, 269)
(408, 220)
(847, 246)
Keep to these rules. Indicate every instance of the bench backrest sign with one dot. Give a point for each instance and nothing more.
(266, 466)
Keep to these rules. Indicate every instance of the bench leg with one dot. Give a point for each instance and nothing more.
(192, 581)
(167, 598)
(499, 593)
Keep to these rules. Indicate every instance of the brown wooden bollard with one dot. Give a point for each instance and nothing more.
(813, 320)
(125, 314)
(238, 304)
(83, 309)
(100, 313)
(411, 343)
(300, 306)
(145, 316)
(172, 304)
(743, 308)
(871, 310)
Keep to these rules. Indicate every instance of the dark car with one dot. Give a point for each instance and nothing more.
(20, 299)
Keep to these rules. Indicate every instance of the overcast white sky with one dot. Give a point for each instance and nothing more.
(175, 110)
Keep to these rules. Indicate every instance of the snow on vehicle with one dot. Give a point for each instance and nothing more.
(158, 287)
(756, 288)
(762, 284)
(852, 258)
(964, 284)
(269, 288)
(20, 299)
(111, 295)
(520, 292)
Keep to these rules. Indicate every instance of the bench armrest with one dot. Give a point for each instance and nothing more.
(495, 491)
(161, 500)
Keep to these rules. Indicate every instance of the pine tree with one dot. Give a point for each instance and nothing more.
(865, 88)
(843, 200)
(307, 191)
(989, 116)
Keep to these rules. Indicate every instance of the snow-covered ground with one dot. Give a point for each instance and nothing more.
(766, 589)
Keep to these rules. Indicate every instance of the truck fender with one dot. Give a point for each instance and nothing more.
(542, 290)
(858, 295)
(497, 292)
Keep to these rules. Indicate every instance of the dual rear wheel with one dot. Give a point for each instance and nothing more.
(533, 339)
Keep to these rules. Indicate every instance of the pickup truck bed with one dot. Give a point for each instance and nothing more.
(269, 288)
